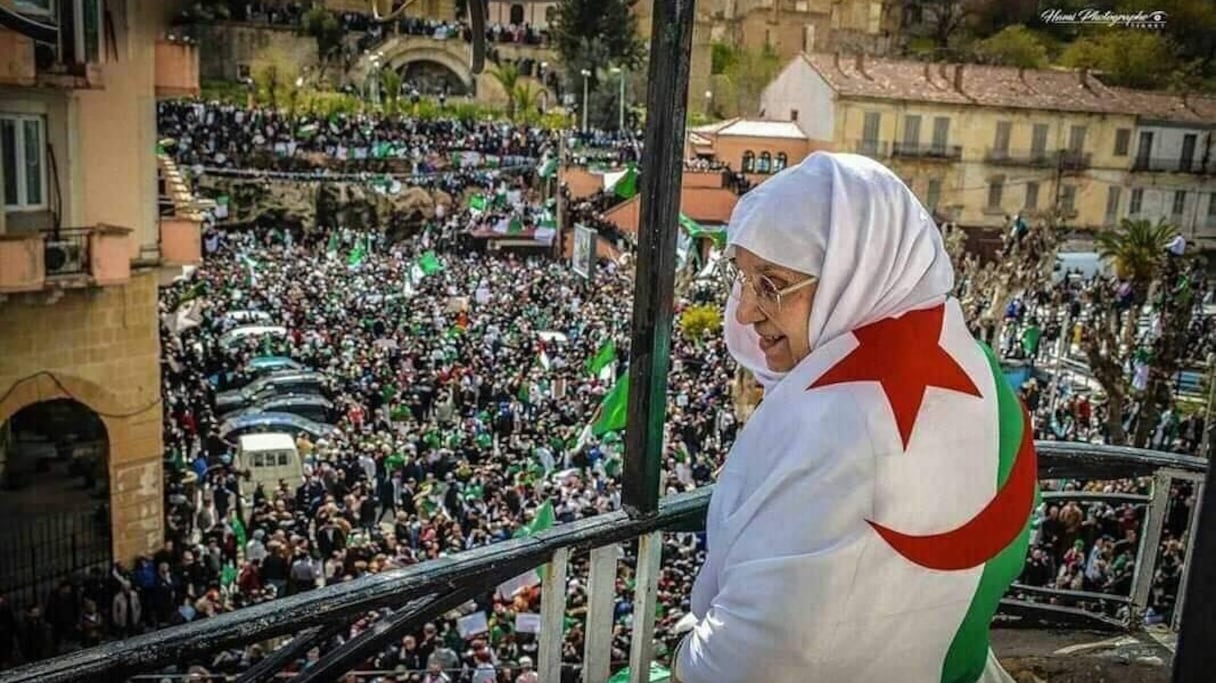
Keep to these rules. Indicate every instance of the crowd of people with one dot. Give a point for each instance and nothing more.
(462, 398)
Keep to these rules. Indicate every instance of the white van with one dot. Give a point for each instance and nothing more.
(239, 333)
(269, 458)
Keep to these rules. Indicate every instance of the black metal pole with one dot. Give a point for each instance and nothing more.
(662, 172)
(1196, 658)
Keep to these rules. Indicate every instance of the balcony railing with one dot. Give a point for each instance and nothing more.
(878, 149)
(176, 68)
(428, 590)
(1074, 161)
(1006, 157)
(930, 151)
(68, 257)
(1172, 165)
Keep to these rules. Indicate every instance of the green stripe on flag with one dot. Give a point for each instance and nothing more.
(968, 653)
(613, 410)
(605, 355)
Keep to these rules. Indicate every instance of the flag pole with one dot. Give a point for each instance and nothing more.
(663, 168)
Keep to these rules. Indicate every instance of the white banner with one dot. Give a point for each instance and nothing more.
(472, 625)
(527, 623)
(583, 258)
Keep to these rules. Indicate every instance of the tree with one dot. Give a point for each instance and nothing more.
(390, 85)
(1013, 46)
(525, 101)
(746, 74)
(610, 22)
(507, 76)
(1131, 58)
(274, 76)
(327, 30)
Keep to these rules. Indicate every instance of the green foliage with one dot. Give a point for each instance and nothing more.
(1137, 248)
(722, 57)
(609, 22)
(274, 77)
(507, 76)
(324, 27)
(226, 92)
(1132, 58)
(1013, 46)
(698, 321)
(737, 90)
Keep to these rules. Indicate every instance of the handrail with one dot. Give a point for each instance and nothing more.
(345, 601)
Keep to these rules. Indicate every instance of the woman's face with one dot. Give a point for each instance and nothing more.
(784, 330)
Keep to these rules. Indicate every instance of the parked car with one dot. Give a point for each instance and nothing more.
(305, 382)
(238, 334)
(312, 406)
(260, 423)
(255, 368)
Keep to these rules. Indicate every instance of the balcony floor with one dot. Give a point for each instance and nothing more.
(1067, 656)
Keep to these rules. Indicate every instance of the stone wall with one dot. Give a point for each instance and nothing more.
(101, 347)
(228, 46)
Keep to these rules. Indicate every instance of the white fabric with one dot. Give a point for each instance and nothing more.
(853, 223)
(796, 585)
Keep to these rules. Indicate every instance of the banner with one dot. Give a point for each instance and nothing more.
(583, 258)
(527, 623)
(473, 624)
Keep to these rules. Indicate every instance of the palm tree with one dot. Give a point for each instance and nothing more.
(390, 84)
(1137, 248)
(507, 76)
(525, 98)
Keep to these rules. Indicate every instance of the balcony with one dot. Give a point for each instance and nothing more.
(877, 149)
(180, 220)
(1074, 161)
(98, 256)
(931, 152)
(423, 592)
(176, 68)
(1006, 157)
(1172, 165)
(16, 59)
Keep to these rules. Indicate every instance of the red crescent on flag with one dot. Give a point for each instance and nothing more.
(984, 536)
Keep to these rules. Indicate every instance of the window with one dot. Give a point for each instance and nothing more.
(1068, 197)
(40, 7)
(808, 38)
(781, 163)
(1000, 145)
(768, 38)
(1112, 202)
(1032, 196)
(793, 114)
(911, 131)
(1188, 152)
(934, 194)
(1144, 150)
(996, 188)
(517, 14)
(1076, 139)
(1179, 202)
(1212, 209)
(23, 156)
(941, 134)
(869, 132)
(766, 163)
(749, 162)
(1133, 204)
(1038, 141)
(1123, 140)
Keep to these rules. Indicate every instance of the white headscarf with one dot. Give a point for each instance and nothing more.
(853, 223)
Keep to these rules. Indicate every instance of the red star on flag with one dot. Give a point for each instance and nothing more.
(903, 355)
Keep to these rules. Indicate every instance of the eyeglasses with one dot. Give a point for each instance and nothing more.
(768, 294)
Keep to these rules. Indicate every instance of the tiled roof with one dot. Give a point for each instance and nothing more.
(1000, 86)
(756, 128)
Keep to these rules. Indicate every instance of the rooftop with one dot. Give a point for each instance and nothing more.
(751, 128)
(1001, 86)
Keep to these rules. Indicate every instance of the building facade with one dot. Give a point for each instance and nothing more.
(981, 143)
(81, 243)
(791, 27)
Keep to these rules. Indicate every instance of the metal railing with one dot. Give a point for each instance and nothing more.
(1071, 160)
(1006, 157)
(879, 149)
(427, 590)
(1172, 165)
(929, 151)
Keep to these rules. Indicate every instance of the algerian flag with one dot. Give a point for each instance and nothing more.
(252, 265)
(627, 186)
(516, 226)
(544, 519)
(478, 203)
(548, 168)
(548, 220)
(696, 230)
(332, 247)
(429, 263)
(612, 414)
(602, 358)
(658, 674)
(222, 203)
(1030, 340)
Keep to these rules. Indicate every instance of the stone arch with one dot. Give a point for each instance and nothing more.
(133, 432)
(402, 51)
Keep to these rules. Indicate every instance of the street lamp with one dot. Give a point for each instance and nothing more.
(586, 82)
(620, 119)
(709, 101)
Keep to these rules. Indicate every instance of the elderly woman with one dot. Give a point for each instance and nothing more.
(876, 505)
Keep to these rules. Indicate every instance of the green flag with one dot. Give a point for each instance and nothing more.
(228, 575)
(612, 410)
(627, 186)
(1030, 339)
(658, 674)
(549, 168)
(478, 202)
(332, 247)
(429, 263)
(516, 226)
(544, 519)
(602, 358)
(696, 230)
(358, 254)
(238, 530)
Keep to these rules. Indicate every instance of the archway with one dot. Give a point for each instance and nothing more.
(54, 497)
(430, 77)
